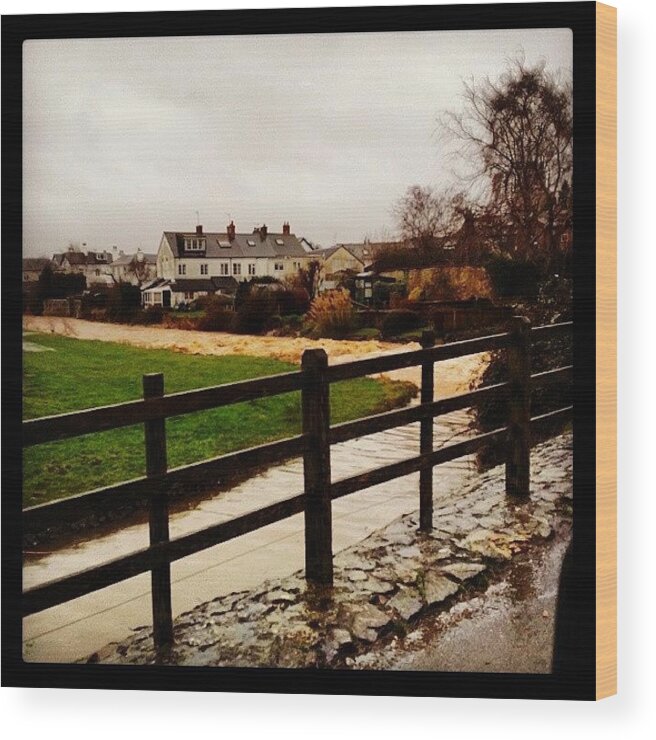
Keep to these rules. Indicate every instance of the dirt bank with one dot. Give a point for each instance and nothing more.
(452, 376)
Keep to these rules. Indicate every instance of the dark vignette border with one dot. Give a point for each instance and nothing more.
(577, 680)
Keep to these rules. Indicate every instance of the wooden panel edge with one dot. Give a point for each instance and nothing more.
(606, 356)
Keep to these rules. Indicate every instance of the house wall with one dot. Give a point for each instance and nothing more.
(236, 267)
(340, 260)
(165, 261)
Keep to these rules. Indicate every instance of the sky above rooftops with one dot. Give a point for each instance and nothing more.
(126, 138)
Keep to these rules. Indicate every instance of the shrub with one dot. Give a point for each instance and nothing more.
(290, 326)
(51, 284)
(381, 292)
(150, 315)
(292, 301)
(513, 277)
(217, 319)
(123, 302)
(331, 314)
(254, 312)
(399, 321)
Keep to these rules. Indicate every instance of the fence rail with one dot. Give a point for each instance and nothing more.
(313, 380)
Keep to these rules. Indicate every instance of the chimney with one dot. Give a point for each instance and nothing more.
(199, 230)
(263, 232)
(286, 229)
(231, 229)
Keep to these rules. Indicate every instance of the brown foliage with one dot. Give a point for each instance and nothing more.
(332, 314)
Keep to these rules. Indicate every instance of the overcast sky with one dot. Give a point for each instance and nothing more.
(126, 138)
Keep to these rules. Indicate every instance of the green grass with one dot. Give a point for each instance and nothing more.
(368, 332)
(179, 315)
(82, 374)
(413, 335)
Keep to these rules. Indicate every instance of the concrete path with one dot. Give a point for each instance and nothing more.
(74, 630)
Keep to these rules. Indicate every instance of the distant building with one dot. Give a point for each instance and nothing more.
(95, 266)
(33, 267)
(138, 268)
(202, 255)
(308, 246)
(342, 259)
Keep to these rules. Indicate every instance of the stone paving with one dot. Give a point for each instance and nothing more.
(382, 585)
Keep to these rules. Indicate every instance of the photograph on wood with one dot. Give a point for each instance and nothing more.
(303, 353)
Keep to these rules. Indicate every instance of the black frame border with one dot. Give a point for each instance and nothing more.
(577, 679)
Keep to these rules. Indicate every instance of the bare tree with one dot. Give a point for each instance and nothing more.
(138, 267)
(425, 219)
(517, 134)
(308, 278)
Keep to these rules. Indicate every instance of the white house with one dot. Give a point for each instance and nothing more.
(201, 255)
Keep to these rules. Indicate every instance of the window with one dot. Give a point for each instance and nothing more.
(280, 242)
(251, 268)
(97, 273)
(250, 243)
(194, 245)
(203, 269)
(157, 298)
(224, 244)
(278, 266)
(189, 296)
(182, 269)
(224, 268)
(236, 268)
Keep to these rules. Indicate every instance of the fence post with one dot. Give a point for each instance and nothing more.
(316, 467)
(518, 454)
(155, 434)
(426, 437)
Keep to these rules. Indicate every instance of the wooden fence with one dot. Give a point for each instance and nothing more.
(313, 380)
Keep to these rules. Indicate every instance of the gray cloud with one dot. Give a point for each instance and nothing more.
(124, 138)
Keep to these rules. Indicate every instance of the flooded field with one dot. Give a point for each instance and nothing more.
(74, 630)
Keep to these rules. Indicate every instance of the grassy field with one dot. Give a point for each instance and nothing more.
(71, 374)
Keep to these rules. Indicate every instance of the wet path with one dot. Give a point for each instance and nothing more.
(510, 629)
(74, 630)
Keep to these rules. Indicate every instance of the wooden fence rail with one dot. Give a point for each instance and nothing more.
(313, 380)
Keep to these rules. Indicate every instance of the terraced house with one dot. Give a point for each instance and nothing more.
(196, 260)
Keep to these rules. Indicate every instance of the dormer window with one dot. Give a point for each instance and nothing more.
(194, 244)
